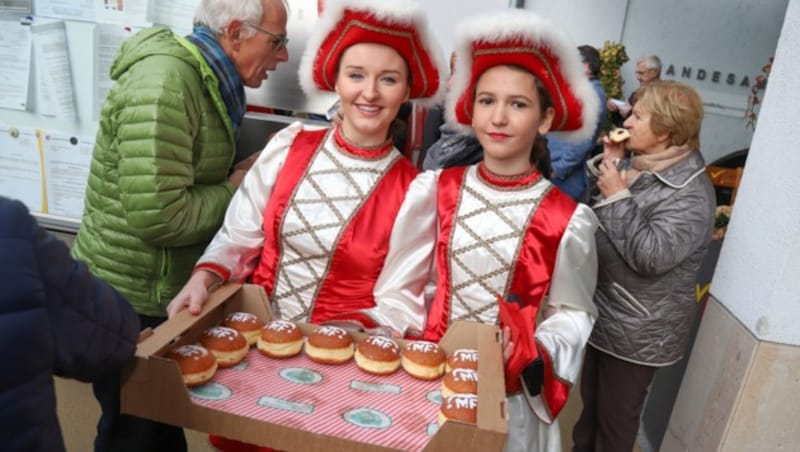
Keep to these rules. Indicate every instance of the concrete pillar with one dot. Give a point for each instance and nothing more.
(741, 391)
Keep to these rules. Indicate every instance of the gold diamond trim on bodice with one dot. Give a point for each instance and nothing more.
(469, 302)
(301, 271)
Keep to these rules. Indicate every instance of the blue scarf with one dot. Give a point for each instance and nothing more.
(230, 84)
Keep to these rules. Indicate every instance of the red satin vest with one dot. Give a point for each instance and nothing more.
(531, 272)
(359, 255)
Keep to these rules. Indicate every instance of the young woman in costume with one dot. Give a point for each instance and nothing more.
(509, 243)
(335, 223)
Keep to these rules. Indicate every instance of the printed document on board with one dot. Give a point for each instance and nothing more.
(67, 159)
(54, 94)
(21, 167)
(15, 53)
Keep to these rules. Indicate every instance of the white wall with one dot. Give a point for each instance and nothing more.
(757, 274)
(444, 15)
(586, 21)
(730, 36)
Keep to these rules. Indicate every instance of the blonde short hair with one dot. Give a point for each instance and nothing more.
(675, 109)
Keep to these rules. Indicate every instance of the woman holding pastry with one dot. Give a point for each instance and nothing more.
(334, 223)
(505, 232)
(656, 219)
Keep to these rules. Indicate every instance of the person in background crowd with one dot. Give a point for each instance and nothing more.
(656, 219)
(569, 158)
(505, 232)
(161, 173)
(334, 223)
(648, 69)
(435, 116)
(445, 146)
(55, 319)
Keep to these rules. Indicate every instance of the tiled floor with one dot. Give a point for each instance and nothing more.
(78, 412)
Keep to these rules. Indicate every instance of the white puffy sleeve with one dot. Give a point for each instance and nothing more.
(234, 250)
(399, 290)
(571, 313)
(575, 272)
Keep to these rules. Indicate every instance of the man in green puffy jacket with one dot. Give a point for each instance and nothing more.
(161, 174)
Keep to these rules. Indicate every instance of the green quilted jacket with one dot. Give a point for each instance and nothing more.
(158, 188)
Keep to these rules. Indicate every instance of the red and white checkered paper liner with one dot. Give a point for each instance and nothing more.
(395, 411)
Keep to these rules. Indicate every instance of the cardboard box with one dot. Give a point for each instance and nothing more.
(153, 388)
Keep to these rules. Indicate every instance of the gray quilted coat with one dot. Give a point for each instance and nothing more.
(650, 246)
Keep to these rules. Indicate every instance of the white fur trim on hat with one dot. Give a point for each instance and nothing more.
(393, 11)
(535, 29)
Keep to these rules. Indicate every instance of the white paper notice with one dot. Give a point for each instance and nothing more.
(15, 6)
(177, 14)
(66, 167)
(125, 12)
(66, 9)
(54, 95)
(107, 39)
(21, 167)
(15, 53)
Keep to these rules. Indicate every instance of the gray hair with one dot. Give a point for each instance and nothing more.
(217, 14)
(650, 62)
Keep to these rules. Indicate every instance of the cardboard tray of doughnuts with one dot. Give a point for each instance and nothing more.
(153, 388)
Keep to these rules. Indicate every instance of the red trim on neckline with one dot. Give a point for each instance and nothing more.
(522, 181)
(360, 152)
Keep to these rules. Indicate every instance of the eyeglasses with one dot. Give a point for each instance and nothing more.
(279, 42)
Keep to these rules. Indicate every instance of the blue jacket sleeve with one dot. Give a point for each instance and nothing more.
(94, 329)
(567, 157)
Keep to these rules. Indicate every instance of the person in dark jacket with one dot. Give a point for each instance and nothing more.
(656, 218)
(569, 157)
(55, 319)
(445, 146)
(161, 174)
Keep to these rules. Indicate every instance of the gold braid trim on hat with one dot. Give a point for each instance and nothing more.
(389, 31)
(559, 97)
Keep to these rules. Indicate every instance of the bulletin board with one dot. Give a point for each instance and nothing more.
(54, 80)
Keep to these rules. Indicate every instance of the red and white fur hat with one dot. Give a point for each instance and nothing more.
(521, 38)
(400, 24)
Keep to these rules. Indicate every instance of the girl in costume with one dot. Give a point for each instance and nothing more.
(509, 243)
(334, 223)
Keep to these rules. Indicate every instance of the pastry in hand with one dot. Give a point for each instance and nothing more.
(619, 135)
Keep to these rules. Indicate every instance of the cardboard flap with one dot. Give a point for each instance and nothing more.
(164, 334)
(492, 413)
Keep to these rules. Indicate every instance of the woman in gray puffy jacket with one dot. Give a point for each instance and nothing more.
(656, 214)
